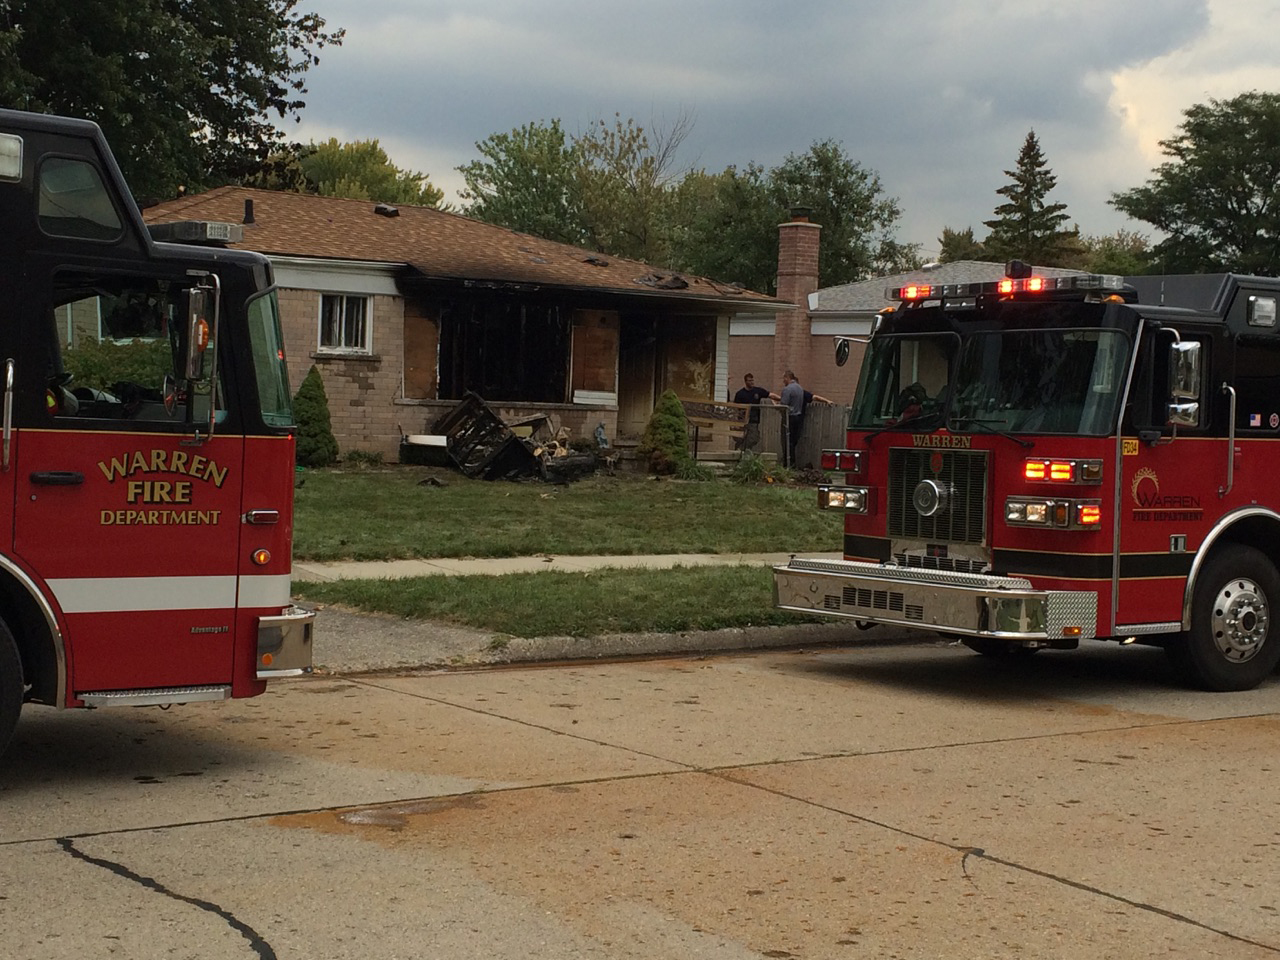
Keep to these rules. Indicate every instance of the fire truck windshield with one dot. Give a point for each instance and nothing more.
(1065, 381)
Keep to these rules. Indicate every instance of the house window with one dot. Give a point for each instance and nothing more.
(344, 323)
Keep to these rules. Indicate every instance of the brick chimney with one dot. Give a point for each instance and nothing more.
(797, 278)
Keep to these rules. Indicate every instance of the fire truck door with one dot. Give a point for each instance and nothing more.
(128, 522)
(1167, 478)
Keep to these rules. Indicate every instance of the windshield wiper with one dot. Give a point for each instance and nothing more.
(987, 428)
(907, 422)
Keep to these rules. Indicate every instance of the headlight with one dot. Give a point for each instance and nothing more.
(1060, 514)
(848, 499)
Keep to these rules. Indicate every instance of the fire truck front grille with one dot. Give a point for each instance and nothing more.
(957, 564)
(963, 472)
(871, 600)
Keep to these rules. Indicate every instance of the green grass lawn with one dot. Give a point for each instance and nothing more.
(389, 514)
(573, 604)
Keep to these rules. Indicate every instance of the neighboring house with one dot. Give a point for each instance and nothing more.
(405, 310)
(803, 338)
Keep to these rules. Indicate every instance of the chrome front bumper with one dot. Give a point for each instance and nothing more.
(284, 644)
(967, 604)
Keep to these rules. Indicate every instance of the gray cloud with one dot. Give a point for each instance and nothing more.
(937, 102)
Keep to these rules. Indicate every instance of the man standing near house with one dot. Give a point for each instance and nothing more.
(796, 398)
(752, 395)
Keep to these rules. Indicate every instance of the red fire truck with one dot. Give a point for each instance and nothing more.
(1038, 461)
(146, 448)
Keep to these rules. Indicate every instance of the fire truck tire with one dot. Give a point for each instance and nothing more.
(1233, 643)
(11, 685)
(997, 648)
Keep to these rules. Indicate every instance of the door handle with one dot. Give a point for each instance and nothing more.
(58, 478)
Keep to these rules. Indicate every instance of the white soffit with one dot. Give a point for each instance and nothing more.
(367, 277)
(847, 327)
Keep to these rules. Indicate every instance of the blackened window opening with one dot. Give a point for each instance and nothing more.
(504, 351)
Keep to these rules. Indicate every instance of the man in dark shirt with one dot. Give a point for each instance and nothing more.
(753, 395)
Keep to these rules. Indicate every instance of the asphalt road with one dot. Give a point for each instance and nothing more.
(879, 801)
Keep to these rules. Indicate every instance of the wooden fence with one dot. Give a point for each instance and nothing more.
(722, 428)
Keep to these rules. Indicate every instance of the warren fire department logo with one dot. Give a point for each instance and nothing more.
(1151, 506)
(161, 488)
(1143, 481)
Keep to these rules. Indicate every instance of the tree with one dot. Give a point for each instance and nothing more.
(958, 245)
(725, 225)
(624, 181)
(185, 92)
(1124, 253)
(1026, 226)
(730, 220)
(528, 181)
(848, 201)
(361, 170)
(1218, 198)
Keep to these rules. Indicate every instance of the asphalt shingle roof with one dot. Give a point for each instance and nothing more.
(867, 296)
(433, 243)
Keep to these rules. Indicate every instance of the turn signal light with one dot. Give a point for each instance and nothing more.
(850, 461)
(262, 556)
(1063, 471)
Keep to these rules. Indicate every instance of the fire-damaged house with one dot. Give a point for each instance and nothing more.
(407, 310)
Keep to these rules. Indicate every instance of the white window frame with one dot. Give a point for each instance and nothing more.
(366, 347)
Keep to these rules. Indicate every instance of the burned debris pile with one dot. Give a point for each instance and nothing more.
(473, 439)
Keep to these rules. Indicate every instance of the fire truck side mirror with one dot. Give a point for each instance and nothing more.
(1184, 384)
(842, 351)
(199, 332)
(1184, 370)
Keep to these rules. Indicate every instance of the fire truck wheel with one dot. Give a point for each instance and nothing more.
(10, 685)
(997, 648)
(1232, 643)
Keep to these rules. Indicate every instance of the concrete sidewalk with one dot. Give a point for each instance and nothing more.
(447, 567)
(350, 642)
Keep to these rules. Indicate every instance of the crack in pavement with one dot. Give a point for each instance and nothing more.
(260, 946)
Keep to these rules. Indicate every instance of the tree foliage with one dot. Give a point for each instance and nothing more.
(848, 201)
(956, 245)
(361, 170)
(1124, 253)
(725, 225)
(316, 444)
(185, 91)
(1027, 227)
(615, 188)
(527, 180)
(1218, 197)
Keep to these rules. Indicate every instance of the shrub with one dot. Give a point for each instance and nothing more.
(666, 436)
(362, 458)
(691, 469)
(99, 364)
(316, 444)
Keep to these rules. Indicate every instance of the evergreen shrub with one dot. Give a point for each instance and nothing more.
(316, 444)
(665, 443)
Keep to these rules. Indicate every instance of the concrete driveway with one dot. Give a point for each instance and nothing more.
(881, 801)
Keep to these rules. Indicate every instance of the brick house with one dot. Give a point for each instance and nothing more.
(404, 310)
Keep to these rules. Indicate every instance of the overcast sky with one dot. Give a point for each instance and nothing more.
(935, 96)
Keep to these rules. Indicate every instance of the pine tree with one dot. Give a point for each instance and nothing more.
(1026, 227)
(316, 444)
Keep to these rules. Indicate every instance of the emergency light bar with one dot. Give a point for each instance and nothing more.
(197, 231)
(919, 292)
